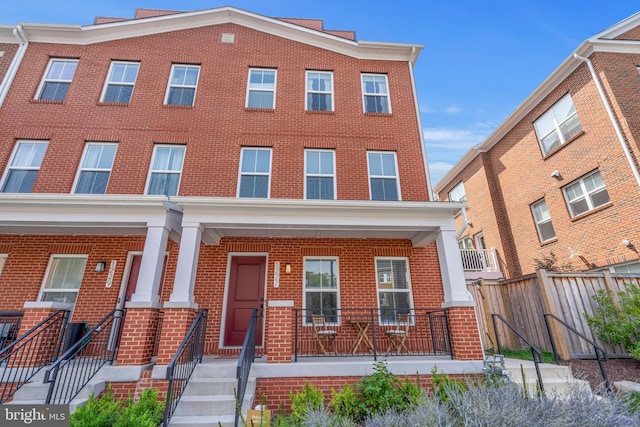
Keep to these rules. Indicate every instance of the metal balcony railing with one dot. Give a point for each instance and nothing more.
(480, 260)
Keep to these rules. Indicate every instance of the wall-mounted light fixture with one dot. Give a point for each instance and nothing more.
(287, 267)
(100, 265)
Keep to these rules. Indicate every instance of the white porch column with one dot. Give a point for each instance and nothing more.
(455, 288)
(155, 246)
(184, 283)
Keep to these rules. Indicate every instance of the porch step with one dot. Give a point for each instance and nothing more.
(556, 379)
(203, 421)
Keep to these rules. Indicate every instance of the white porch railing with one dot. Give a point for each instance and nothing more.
(480, 260)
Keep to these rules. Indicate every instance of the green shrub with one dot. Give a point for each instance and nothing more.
(97, 412)
(633, 399)
(382, 391)
(346, 403)
(443, 386)
(618, 325)
(307, 399)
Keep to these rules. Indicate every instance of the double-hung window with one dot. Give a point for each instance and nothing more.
(255, 171)
(166, 169)
(543, 221)
(95, 168)
(120, 82)
(57, 79)
(394, 288)
(457, 193)
(375, 93)
(261, 90)
(182, 85)
(319, 91)
(558, 125)
(320, 174)
(586, 194)
(63, 278)
(383, 176)
(321, 288)
(24, 166)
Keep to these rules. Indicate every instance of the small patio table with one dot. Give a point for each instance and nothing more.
(361, 327)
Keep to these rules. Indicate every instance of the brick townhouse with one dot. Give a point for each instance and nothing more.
(560, 175)
(227, 161)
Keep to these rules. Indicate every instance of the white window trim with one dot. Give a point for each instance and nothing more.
(397, 175)
(321, 92)
(388, 95)
(274, 90)
(304, 289)
(152, 171)
(320, 175)
(556, 127)
(538, 222)
(194, 86)
(587, 195)
(3, 261)
(9, 168)
(240, 173)
(457, 188)
(48, 271)
(409, 289)
(133, 85)
(44, 77)
(80, 169)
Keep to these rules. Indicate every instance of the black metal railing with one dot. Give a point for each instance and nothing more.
(26, 356)
(535, 353)
(183, 362)
(81, 362)
(601, 353)
(9, 326)
(247, 356)
(371, 332)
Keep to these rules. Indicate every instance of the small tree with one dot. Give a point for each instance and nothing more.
(618, 324)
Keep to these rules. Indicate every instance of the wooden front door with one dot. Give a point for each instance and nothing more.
(246, 292)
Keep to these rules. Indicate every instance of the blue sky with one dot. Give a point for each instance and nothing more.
(480, 58)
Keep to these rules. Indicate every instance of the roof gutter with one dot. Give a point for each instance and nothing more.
(614, 122)
(19, 34)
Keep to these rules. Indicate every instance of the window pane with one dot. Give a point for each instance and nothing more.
(320, 274)
(383, 189)
(319, 101)
(574, 191)
(164, 183)
(375, 164)
(92, 182)
(376, 104)
(181, 96)
(260, 99)
(550, 142)
(593, 181)
(262, 161)
(254, 186)
(388, 165)
(54, 91)
(64, 297)
(108, 153)
(579, 206)
(322, 303)
(20, 181)
(66, 273)
(326, 162)
(29, 155)
(313, 162)
(546, 231)
(571, 127)
(600, 198)
(118, 93)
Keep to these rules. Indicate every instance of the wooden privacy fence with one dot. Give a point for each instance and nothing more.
(524, 300)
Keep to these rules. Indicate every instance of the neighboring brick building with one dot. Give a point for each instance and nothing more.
(263, 162)
(560, 175)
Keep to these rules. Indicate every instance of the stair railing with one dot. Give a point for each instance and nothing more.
(183, 363)
(81, 362)
(535, 353)
(601, 353)
(25, 357)
(9, 326)
(247, 356)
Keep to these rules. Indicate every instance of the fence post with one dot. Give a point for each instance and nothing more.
(542, 280)
(608, 284)
(487, 312)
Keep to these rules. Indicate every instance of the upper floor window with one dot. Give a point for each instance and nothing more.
(320, 174)
(375, 93)
(465, 243)
(63, 278)
(120, 82)
(255, 170)
(166, 169)
(558, 125)
(586, 194)
(321, 290)
(394, 288)
(543, 221)
(57, 79)
(24, 166)
(95, 168)
(261, 90)
(383, 176)
(319, 91)
(457, 193)
(182, 85)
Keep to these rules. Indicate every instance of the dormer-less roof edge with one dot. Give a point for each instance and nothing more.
(619, 28)
(6, 34)
(83, 35)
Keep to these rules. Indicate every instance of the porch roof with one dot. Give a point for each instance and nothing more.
(76, 214)
(419, 222)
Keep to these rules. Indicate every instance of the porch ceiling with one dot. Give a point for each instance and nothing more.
(220, 217)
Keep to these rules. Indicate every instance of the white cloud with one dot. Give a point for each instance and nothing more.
(437, 170)
(435, 134)
(451, 109)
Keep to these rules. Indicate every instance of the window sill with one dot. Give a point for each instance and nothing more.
(183, 107)
(559, 148)
(329, 112)
(378, 114)
(46, 101)
(592, 211)
(113, 104)
(260, 110)
(548, 242)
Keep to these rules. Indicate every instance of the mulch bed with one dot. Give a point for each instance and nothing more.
(616, 369)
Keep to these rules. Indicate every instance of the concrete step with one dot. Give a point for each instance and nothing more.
(206, 405)
(34, 391)
(216, 370)
(202, 421)
(200, 386)
(556, 379)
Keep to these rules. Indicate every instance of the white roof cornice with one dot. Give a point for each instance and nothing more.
(6, 34)
(83, 35)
